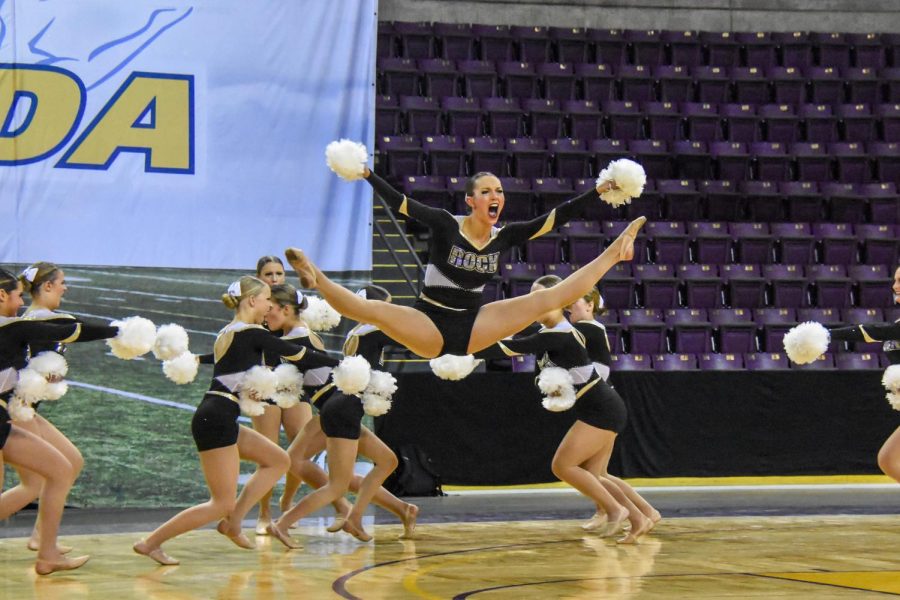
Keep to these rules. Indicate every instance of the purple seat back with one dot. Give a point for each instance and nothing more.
(765, 361)
(674, 362)
(721, 362)
(631, 362)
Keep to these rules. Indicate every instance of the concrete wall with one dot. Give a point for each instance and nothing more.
(863, 16)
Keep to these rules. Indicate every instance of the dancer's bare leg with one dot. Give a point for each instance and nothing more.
(293, 419)
(503, 318)
(599, 466)
(403, 324)
(889, 456)
(268, 425)
(309, 442)
(26, 451)
(371, 446)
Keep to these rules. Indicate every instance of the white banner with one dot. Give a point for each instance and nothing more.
(185, 133)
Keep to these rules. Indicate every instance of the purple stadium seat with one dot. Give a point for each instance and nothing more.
(658, 285)
(610, 45)
(825, 85)
(558, 80)
(890, 77)
(794, 48)
(675, 83)
(851, 162)
(416, 39)
(552, 191)
(494, 42)
(753, 243)
(763, 200)
(765, 361)
(403, 153)
(519, 198)
(523, 363)
(873, 283)
(400, 75)
(889, 115)
(584, 119)
(439, 77)
(692, 159)
(721, 362)
(598, 81)
(561, 270)
(788, 85)
(654, 156)
(745, 286)
(618, 288)
(571, 44)
(543, 117)
(463, 116)
(636, 83)
(732, 160)
(813, 161)
(611, 229)
(646, 47)
(845, 202)
(884, 202)
(722, 49)
(571, 158)
(702, 122)
(880, 243)
(775, 322)
(750, 85)
(674, 362)
(544, 250)
(445, 155)
(517, 79)
(789, 285)
(487, 154)
(854, 361)
(731, 316)
(669, 240)
(796, 244)
(423, 115)
(758, 49)
(831, 286)
(505, 117)
(863, 85)
(456, 40)
(479, 78)
(528, 156)
(702, 285)
(804, 203)
(584, 241)
(428, 189)
(838, 244)
(691, 330)
(722, 200)
(682, 200)
(387, 115)
(533, 43)
(518, 277)
(868, 50)
(493, 290)
(830, 49)
(631, 362)
(782, 124)
(735, 329)
(887, 160)
(607, 151)
(855, 316)
(712, 84)
(712, 242)
(819, 122)
(387, 41)
(741, 122)
(646, 330)
(772, 161)
(624, 120)
(663, 121)
(824, 362)
(685, 47)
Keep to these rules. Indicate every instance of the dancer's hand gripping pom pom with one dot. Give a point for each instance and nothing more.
(628, 179)
(352, 375)
(558, 389)
(891, 382)
(289, 387)
(258, 384)
(53, 367)
(182, 369)
(806, 342)
(452, 367)
(171, 342)
(319, 315)
(347, 158)
(136, 337)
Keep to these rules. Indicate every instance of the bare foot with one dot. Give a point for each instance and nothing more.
(261, 525)
(356, 531)
(337, 524)
(239, 539)
(410, 514)
(655, 518)
(156, 554)
(615, 522)
(637, 530)
(303, 266)
(280, 535)
(626, 251)
(34, 546)
(595, 522)
(45, 567)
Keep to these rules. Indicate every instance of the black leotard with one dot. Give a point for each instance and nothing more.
(889, 333)
(597, 345)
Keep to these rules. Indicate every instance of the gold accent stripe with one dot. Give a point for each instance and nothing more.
(404, 209)
(582, 391)
(866, 335)
(319, 394)
(507, 351)
(231, 397)
(297, 356)
(547, 226)
(436, 303)
(74, 336)
(4, 404)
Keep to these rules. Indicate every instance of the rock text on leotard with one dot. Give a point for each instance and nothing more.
(470, 261)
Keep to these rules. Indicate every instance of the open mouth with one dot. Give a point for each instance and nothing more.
(494, 210)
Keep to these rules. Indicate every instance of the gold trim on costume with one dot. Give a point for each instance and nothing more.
(74, 335)
(547, 227)
(866, 335)
(436, 303)
(319, 394)
(581, 392)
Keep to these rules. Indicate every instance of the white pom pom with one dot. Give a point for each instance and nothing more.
(806, 342)
(182, 369)
(251, 408)
(352, 375)
(347, 158)
(375, 405)
(556, 384)
(894, 399)
(629, 178)
(49, 364)
(382, 383)
(31, 386)
(891, 378)
(258, 383)
(19, 410)
(289, 386)
(319, 315)
(453, 367)
(136, 337)
(171, 342)
(55, 391)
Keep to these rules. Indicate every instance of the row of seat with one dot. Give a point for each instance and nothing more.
(539, 44)
(754, 361)
(670, 83)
